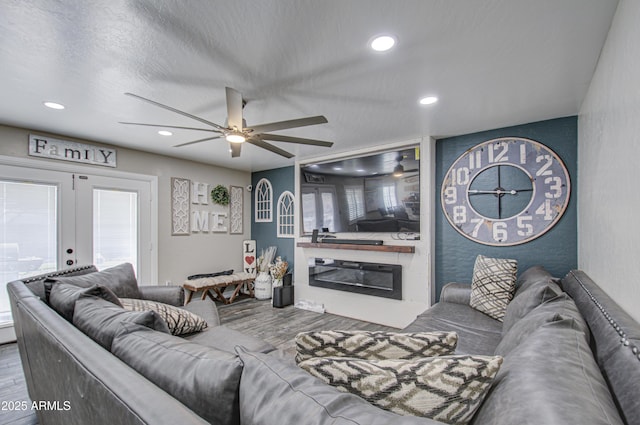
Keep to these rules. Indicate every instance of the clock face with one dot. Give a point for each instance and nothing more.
(505, 191)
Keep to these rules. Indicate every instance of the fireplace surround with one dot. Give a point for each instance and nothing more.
(380, 280)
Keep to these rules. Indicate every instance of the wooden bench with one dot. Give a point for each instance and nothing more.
(214, 286)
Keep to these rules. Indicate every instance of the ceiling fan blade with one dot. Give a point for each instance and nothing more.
(299, 140)
(170, 126)
(235, 149)
(269, 147)
(177, 111)
(234, 108)
(283, 125)
(196, 141)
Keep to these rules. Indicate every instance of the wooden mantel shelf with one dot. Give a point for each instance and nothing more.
(408, 249)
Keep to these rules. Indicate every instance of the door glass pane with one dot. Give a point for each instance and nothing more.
(28, 235)
(115, 228)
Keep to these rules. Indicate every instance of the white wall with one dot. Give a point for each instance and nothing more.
(178, 256)
(609, 164)
(417, 273)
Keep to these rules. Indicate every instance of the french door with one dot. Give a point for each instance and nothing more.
(59, 219)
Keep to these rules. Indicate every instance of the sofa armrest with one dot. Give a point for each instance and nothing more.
(453, 292)
(173, 295)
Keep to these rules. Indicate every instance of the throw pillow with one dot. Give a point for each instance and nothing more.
(448, 389)
(374, 345)
(527, 300)
(493, 284)
(100, 320)
(121, 279)
(63, 297)
(179, 320)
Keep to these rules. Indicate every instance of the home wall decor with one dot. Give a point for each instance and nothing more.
(285, 212)
(264, 201)
(249, 256)
(65, 150)
(180, 206)
(236, 209)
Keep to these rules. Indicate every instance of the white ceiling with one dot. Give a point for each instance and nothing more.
(492, 63)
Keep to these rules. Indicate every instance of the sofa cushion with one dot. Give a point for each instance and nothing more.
(36, 283)
(205, 309)
(477, 332)
(525, 301)
(374, 345)
(203, 378)
(273, 391)
(493, 285)
(100, 320)
(448, 389)
(551, 378)
(557, 308)
(121, 280)
(63, 297)
(226, 339)
(179, 320)
(531, 276)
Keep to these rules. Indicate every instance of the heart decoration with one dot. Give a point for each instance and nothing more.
(249, 260)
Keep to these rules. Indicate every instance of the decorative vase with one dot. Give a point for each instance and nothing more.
(262, 286)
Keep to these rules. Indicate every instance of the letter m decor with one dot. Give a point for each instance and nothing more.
(65, 150)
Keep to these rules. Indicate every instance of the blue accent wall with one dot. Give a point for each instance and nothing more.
(556, 250)
(265, 234)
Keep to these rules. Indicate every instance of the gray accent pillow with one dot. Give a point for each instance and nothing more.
(374, 345)
(179, 320)
(63, 297)
(531, 276)
(527, 300)
(561, 307)
(203, 378)
(273, 391)
(448, 389)
(100, 320)
(493, 285)
(121, 280)
(551, 378)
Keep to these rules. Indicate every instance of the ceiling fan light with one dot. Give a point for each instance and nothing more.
(398, 171)
(382, 43)
(235, 137)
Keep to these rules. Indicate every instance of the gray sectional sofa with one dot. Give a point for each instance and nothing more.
(570, 357)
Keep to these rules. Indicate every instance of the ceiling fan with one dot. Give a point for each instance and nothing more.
(236, 131)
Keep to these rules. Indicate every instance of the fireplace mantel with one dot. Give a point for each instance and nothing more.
(407, 249)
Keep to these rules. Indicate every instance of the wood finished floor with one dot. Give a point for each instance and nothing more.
(278, 326)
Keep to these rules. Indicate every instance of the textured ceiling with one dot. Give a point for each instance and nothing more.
(492, 63)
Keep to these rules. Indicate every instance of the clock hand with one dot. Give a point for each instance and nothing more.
(495, 192)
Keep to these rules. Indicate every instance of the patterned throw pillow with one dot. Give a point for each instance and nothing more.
(179, 320)
(448, 389)
(493, 285)
(374, 345)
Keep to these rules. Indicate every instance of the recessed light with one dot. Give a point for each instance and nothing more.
(53, 105)
(382, 43)
(428, 100)
(165, 133)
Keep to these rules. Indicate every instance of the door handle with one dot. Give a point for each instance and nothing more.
(70, 262)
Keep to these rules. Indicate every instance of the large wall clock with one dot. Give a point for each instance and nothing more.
(505, 191)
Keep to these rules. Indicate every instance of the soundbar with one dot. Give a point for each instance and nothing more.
(352, 241)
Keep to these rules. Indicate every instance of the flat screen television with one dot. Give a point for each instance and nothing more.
(378, 192)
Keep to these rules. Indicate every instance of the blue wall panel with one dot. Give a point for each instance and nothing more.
(556, 250)
(265, 234)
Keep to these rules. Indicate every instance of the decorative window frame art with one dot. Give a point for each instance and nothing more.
(180, 206)
(286, 215)
(236, 210)
(264, 202)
